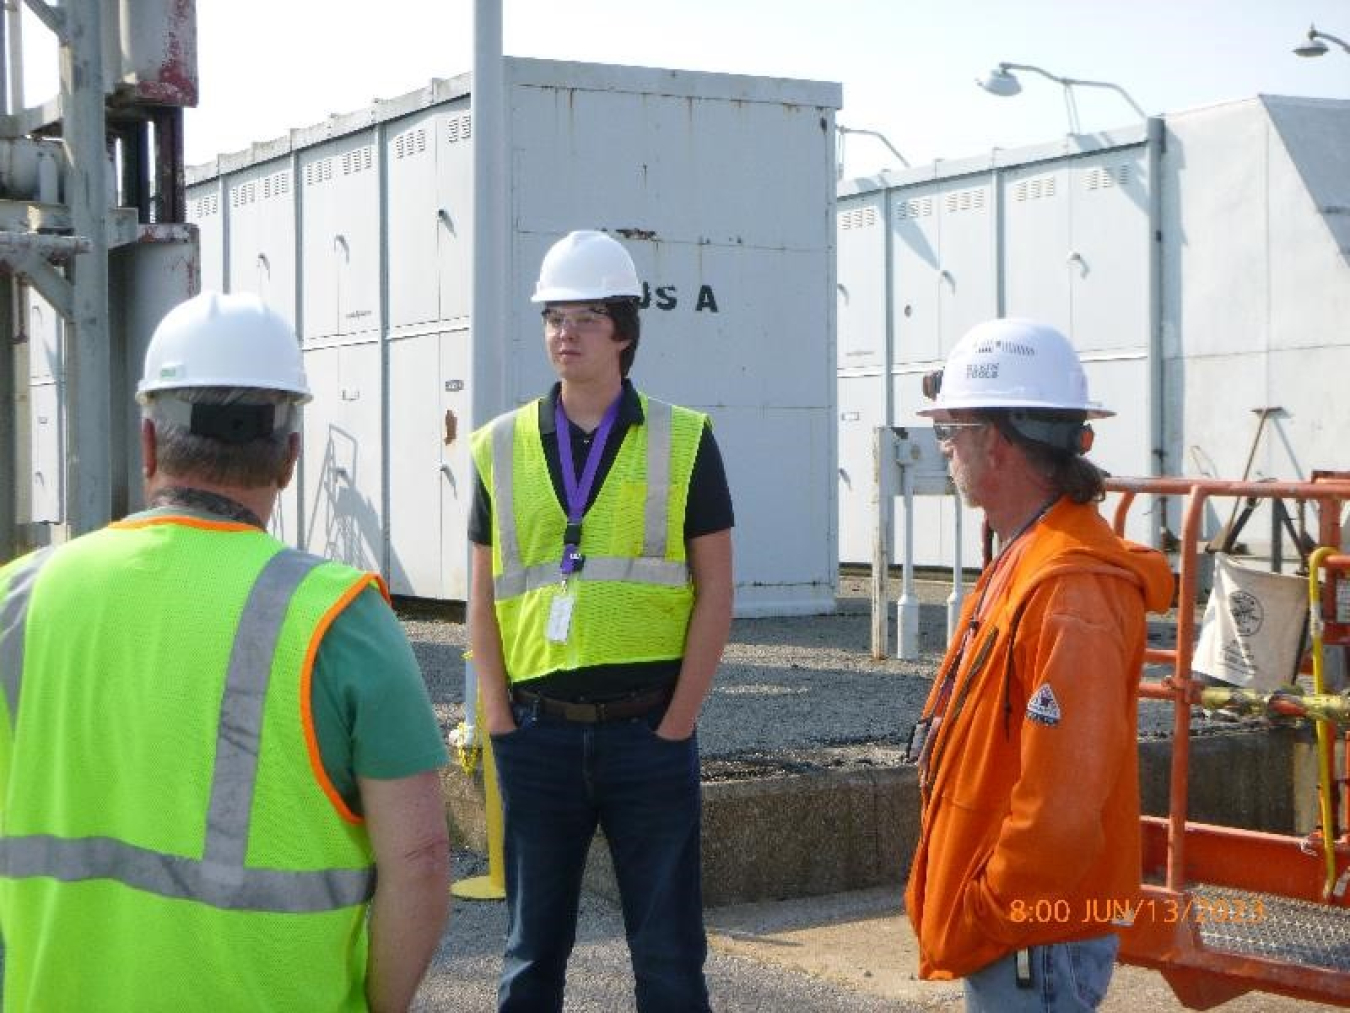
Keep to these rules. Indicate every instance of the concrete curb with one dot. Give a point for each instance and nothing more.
(837, 830)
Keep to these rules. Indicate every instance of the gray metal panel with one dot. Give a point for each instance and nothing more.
(785, 536)
(967, 281)
(412, 221)
(341, 458)
(431, 481)
(1037, 244)
(47, 431)
(45, 329)
(1109, 257)
(915, 273)
(686, 169)
(340, 236)
(862, 407)
(731, 88)
(205, 210)
(1217, 243)
(261, 256)
(862, 282)
(1308, 222)
(47, 434)
(454, 190)
(1316, 135)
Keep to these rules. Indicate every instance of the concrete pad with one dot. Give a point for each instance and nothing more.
(862, 940)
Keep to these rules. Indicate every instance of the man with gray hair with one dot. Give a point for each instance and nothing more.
(210, 742)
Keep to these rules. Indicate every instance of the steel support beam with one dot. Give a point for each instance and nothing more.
(87, 354)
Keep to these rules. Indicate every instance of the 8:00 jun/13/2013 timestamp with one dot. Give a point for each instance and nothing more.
(1125, 911)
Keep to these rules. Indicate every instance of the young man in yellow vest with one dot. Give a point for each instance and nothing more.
(210, 743)
(1027, 751)
(600, 605)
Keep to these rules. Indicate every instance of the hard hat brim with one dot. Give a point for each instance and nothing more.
(1089, 409)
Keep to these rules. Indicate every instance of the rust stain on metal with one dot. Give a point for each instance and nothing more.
(175, 80)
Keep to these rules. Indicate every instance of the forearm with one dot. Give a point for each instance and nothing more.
(485, 639)
(407, 917)
(709, 627)
(410, 838)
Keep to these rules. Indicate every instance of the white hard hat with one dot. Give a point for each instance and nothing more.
(215, 340)
(586, 265)
(1014, 364)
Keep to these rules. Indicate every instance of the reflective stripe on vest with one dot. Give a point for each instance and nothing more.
(651, 568)
(220, 878)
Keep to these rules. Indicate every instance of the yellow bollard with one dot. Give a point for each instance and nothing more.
(493, 885)
(1326, 786)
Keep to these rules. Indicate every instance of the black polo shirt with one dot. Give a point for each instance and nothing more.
(707, 510)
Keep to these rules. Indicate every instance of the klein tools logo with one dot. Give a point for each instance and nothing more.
(1247, 613)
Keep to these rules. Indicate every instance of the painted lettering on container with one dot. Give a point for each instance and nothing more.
(667, 297)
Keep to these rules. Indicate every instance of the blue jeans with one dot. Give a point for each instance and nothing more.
(1064, 977)
(561, 779)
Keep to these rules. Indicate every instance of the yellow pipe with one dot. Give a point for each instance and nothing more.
(1326, 788)
(493, 885)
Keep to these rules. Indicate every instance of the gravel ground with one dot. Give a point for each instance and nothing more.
(796, 693)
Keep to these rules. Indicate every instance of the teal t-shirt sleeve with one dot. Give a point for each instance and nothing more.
(372, 715)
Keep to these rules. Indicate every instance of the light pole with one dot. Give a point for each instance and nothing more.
(1002, 81)
(1316, 43)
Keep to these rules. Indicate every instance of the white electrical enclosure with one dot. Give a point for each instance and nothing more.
(1199, 262)
(360, 229)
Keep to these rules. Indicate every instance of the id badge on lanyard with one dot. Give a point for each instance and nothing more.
(560, 616)
(577, 492)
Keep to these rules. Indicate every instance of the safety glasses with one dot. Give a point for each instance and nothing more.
(580, 321)
(948, 431)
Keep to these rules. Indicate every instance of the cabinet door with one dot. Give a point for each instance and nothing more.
(1037, 245)
(342, 456)
(431, 479)
(412, 222)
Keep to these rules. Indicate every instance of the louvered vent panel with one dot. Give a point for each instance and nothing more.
(965, 200)
(318, 172)
(921, 207)
(458, 128)
(858, 218)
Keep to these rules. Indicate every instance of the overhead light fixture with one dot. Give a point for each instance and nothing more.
(1003, 82)
(1316, 43)
(844, 131)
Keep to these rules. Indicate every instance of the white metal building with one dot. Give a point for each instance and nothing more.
(1198, 262)
(359, 229)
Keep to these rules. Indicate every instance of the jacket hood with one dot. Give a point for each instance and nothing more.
(1096, 544)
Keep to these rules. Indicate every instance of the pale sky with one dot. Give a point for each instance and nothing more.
(907, 66)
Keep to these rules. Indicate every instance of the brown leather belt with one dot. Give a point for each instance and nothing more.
(594, 713)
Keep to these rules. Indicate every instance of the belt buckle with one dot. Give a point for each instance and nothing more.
(586, 713)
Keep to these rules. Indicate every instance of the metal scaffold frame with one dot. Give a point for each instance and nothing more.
(110, 178)
(1226, 910)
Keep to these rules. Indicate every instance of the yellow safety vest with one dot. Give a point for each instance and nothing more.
(633, 596)
(168, 839)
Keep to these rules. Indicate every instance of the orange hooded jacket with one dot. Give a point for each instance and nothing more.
(1031, 804)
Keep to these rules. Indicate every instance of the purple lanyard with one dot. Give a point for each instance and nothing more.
(579, 491)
